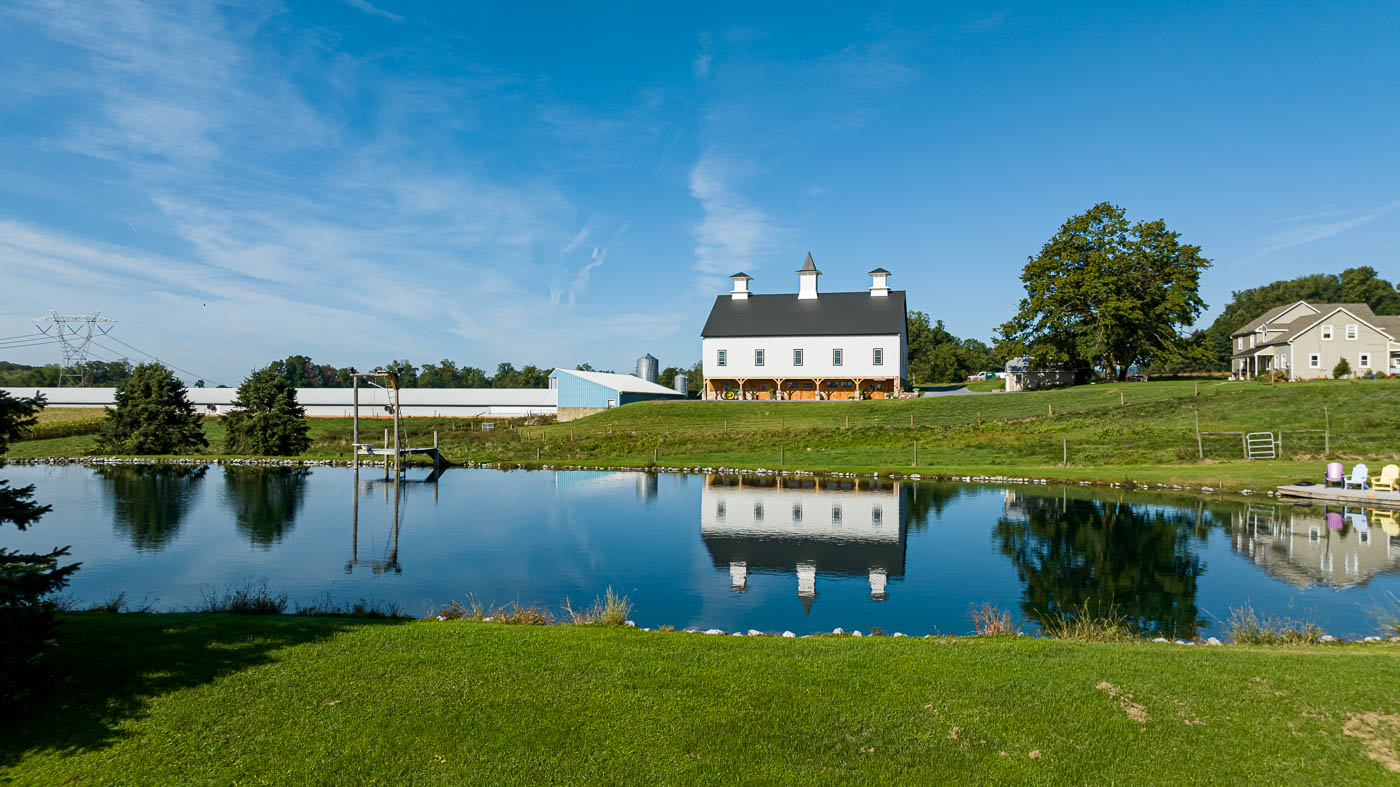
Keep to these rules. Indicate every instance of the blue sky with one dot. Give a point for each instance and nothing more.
(488, 182)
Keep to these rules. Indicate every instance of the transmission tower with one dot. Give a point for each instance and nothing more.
(74, 333)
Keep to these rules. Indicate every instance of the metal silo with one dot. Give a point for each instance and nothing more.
(682, 384)
(647, 368)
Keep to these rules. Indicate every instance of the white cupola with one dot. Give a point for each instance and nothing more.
(807, 279)
(879, 285)
(741, 286)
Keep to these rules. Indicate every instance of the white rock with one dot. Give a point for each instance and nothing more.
(789, 635)
(1372, 639)
(898, 634)
(857, 633)
(630, 623)
(1181, 642)
(1328, 638)
(1214, 641)
(838, 630)
(1161, 639)
(713, 631)
(755, 633)
(738, 633)
(487, 618)
(1395, 638)
(440, 617)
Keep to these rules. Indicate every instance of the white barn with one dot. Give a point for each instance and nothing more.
(808, 344)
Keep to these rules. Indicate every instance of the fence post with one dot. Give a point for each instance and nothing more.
(1195, 389)
(1200, 448)
(537, 453)
(1244, 443)
(848, 420)
(1065, 446)
(780, 456)
(1280, 442)
(653, 456)
(1326, 432)
(979, 419)
(1051, 406)
(1120, 399)
(916, 453)
(911, 420)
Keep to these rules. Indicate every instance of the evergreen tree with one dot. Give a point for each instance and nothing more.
(153, 415)
(27, 581)
(1342, 370)
(266, 419)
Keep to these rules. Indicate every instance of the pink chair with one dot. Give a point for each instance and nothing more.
(1334, 474)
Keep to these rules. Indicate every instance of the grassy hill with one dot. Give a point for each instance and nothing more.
(1143, 431)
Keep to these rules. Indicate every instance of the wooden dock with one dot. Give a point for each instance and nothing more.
(439, 461)
(1364, 498)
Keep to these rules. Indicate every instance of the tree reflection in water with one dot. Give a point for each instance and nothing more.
(148, 501)
(1072, 553)
(264, 501)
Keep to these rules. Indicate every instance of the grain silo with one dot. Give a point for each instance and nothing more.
(647, 368)
(682, 384)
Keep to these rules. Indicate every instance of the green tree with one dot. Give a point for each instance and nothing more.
(1342, 370)
(266, 419)
(265, 501)
(937, 356)
(153, 415)
(27, 581)
(1106, 293)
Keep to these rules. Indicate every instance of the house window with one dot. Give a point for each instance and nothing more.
(1251, 340)
(1351, 332)
(757, 357)
(1314, 361)
(721, 357)
(1327, 333)
(1364, 361)
(879, 357)
(1239, 343)
(836, 357)
(796, 357)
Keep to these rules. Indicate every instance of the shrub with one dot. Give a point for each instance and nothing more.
(1246, 627)
(27, 581)
(987, 620)
(245, 599)
(1342, 369)
(1086, 624)
(153, 415)
(611, 610)
(266, 419)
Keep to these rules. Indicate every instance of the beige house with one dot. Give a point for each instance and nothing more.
(1305, 340)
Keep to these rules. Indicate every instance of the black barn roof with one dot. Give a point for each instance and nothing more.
(830, 314)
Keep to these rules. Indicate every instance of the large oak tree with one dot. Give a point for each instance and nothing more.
(1106, 293)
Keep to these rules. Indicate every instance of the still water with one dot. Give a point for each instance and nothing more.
(711, 551)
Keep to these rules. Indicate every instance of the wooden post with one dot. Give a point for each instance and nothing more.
(979, 419)
(1051, 405)
(653, 456)
(355, 431)
(1200, 448)
(396, 429)
(726, 426)
(1244, 442)
(916, 453)
(1195, 389)
(1065, 446)
(780, 456)
(1280, 442)
(1326, 432)
(1120, 399)
(848, 420)
(571, 434)
(537, 453)
(911, 420)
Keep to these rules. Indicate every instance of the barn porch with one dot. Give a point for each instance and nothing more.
(800, 388)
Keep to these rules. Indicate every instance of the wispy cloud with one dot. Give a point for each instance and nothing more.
(984, 23)
(364, 5)
(1316, 232)
(733, 233)
(700, 66)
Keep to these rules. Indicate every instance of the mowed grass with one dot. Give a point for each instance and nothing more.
(210, 699)
(1111, 432)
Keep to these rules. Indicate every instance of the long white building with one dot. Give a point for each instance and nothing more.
(808, 344)
(337, 402)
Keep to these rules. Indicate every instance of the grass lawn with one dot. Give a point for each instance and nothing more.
(218, 699)
(1112, 432)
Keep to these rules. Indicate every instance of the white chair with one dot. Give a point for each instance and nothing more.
(1360, 478)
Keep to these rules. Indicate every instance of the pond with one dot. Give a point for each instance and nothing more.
(731, 552)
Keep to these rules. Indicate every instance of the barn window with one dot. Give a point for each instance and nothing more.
(721, 357)
(757, 357)
(879, 356)
(836, 357)
(796, 357)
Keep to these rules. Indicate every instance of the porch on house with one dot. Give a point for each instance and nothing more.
(1263, 362)
(800, 388)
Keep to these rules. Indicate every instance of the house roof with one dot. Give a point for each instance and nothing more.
(1264, 319)
(830, 314)
(622, 383)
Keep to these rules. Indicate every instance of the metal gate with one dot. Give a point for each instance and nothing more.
(1260, 445)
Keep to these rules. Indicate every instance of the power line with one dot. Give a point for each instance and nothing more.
(154, 358)
(30, 344)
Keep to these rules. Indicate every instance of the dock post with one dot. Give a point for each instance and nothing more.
(396, 430)
(355, 430)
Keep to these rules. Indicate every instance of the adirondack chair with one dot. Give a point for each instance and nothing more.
(1334, 474)
(1388, 480)
(1388, 520)
(1358, 522)
(1358, 478)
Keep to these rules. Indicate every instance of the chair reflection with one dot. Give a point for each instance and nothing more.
(1337, 546)
(806, 526)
